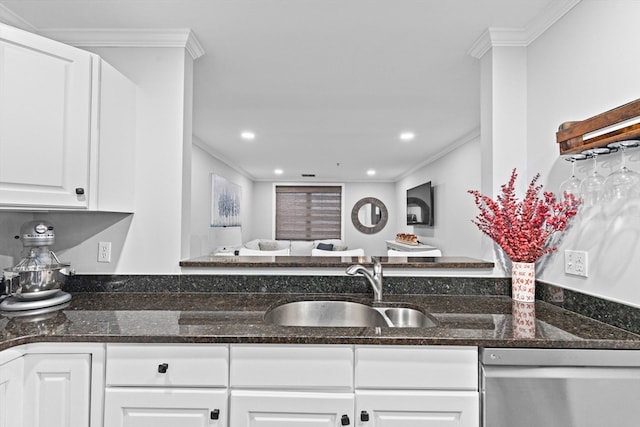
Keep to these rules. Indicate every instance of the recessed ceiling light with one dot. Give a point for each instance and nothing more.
(371, 172)
(278, 171)
(407, 136)
(248, 135)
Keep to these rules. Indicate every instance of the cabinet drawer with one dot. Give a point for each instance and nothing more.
(262, 408)
(424, 408)
(320, 367)
(409, 367)
(167, 365)
(156, 407)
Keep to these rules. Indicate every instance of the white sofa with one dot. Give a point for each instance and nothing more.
(295, 247)
(350, 252)
(252, 252)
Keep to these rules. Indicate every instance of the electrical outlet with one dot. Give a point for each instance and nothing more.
(104, 252)
(576, 263)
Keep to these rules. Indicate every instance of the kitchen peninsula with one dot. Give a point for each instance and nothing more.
(161, 317)
(214, 356)
(337, 262)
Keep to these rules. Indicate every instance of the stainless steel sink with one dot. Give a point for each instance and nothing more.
(404, 317)
(325, 313)
(346, 314)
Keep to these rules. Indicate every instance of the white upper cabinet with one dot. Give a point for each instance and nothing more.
(51, 126)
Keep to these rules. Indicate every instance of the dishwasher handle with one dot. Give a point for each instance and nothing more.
(558, 357)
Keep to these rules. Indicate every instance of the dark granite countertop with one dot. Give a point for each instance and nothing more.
(338, 262)
(484, 321)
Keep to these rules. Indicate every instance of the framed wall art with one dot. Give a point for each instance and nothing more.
(225, 202)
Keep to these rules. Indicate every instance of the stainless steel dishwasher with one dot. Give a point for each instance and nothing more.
(560, 388)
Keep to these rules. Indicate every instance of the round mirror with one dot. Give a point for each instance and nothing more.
(369, 215)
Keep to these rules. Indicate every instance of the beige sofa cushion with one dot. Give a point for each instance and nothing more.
(263, 244)
(300, 248)
(268, 245)
(252, 244)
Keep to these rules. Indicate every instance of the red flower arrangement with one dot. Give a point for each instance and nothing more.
(523, 228)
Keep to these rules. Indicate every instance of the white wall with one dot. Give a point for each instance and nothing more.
(588, 63)
(154, 243)
(452, 176)
(204, 164)
(373, 244)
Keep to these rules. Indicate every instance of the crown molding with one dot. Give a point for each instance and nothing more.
(549, 16)
(10, 18)
(498, 37)
(521, 37)
(198, 142)
(183, 38)
(463, 140)
(180, 37)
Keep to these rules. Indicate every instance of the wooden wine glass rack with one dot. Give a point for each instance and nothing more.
(571, 135)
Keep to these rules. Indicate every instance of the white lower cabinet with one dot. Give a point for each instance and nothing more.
(411, 408)
(416, 386)
(291, 385)
(57, 389)
(238, 385)
(342, 385)
(52, 385)
(165, 407)
(290, 409)
(11, 391)
(165, 385)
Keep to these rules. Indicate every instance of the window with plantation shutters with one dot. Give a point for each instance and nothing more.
(308, 212)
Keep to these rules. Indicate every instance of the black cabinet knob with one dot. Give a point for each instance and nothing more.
(215, 414)
(364, 416)
(162, 368)
(345, 420)
(79, 191)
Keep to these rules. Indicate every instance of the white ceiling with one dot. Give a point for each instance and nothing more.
(326, 85)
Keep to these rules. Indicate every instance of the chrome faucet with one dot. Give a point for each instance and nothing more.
(375, 279)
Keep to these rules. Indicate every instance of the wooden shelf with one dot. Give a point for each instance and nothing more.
(570, 135)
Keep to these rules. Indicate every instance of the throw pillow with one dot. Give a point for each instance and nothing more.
(268, 245)
(325, 246)
(340, 247)
(301, 248)
(253, 244)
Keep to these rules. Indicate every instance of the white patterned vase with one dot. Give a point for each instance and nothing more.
(523, 281)
(524, 319)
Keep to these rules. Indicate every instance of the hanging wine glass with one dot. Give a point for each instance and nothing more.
(572, 184)
(622, 183)
(592, 186)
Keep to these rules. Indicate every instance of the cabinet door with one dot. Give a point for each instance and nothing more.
(165, 407)
(11, 375)
(417, 408)
(290, 409)
(57, 390)
(45, 119)
(111, 183)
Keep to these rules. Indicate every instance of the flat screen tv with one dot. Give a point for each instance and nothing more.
(420, 205)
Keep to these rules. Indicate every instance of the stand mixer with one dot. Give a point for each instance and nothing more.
(33, 285)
